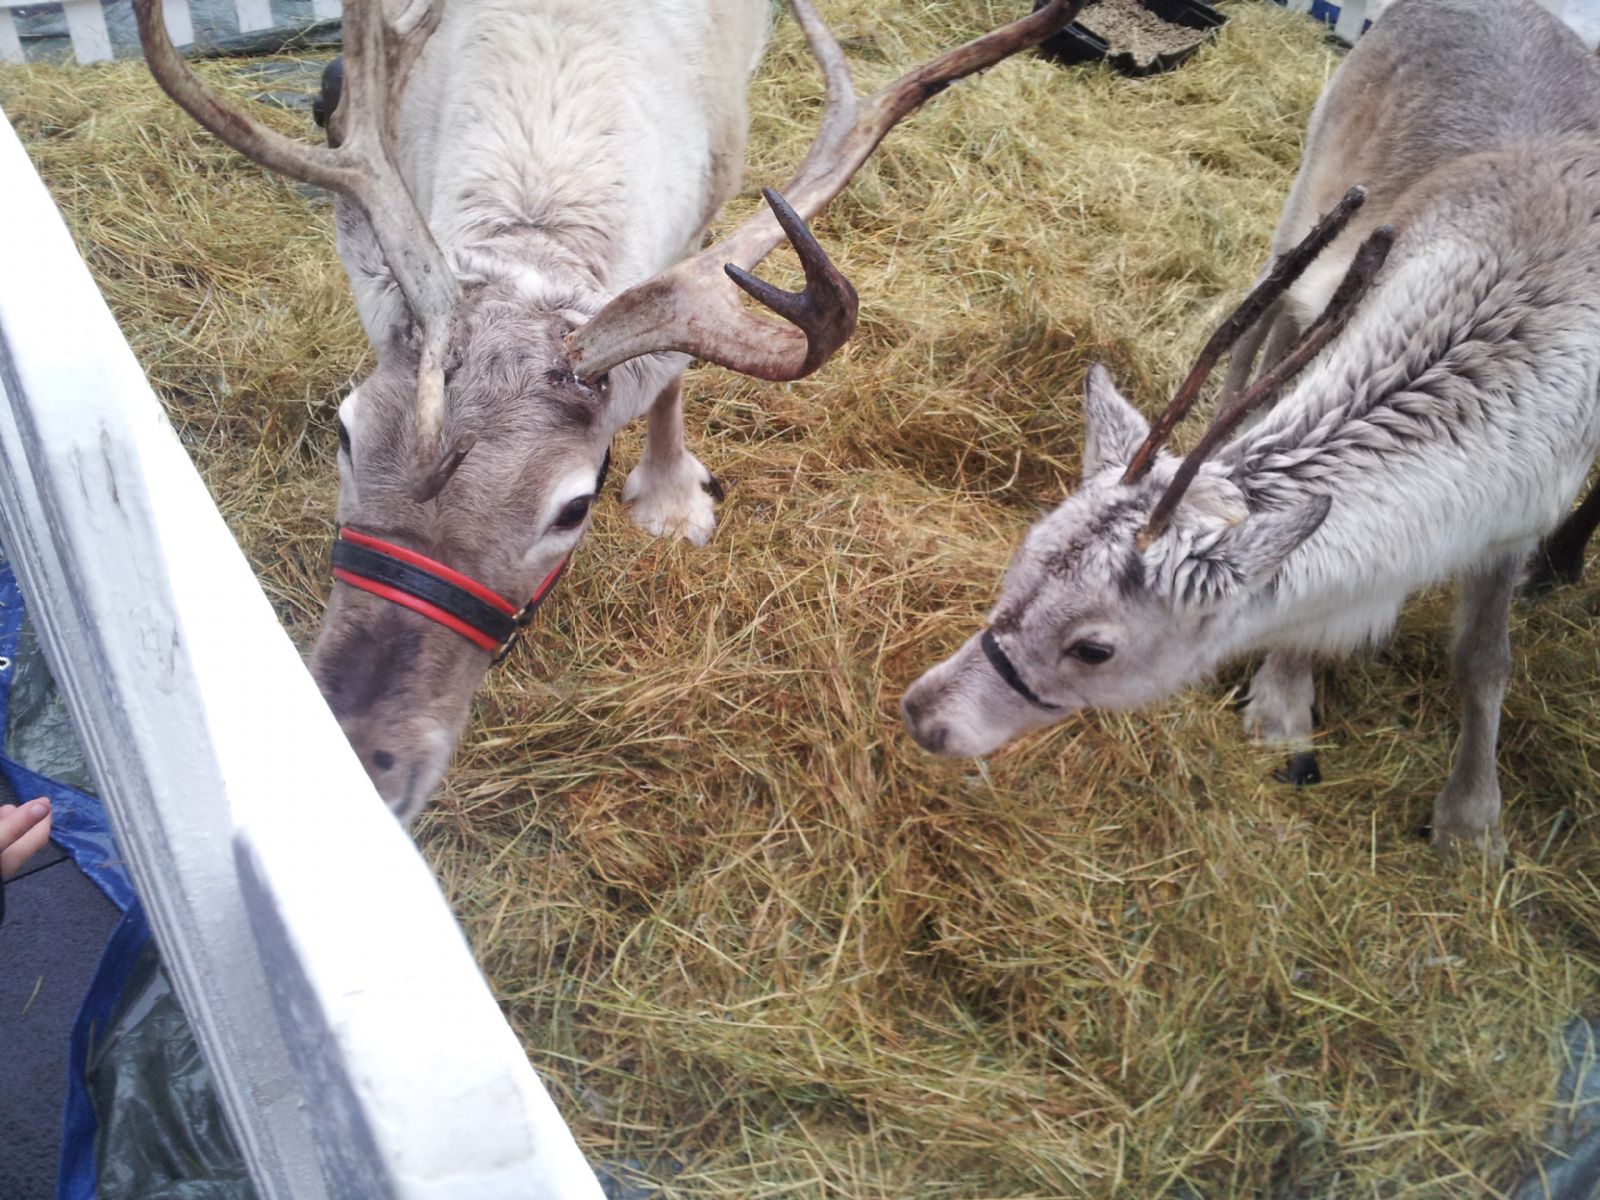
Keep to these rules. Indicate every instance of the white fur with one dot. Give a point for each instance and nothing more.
(528, 128)
(348, 410)
(349, 417)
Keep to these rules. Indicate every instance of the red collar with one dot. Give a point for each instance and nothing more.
(426, 586)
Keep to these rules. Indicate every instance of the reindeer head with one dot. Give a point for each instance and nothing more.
(1124, 593)
(470, 457)
(517, 463)
(1089, 615)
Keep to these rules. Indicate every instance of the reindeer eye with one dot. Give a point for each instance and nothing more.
(344, 440)
(573, 514)
(1091, 653)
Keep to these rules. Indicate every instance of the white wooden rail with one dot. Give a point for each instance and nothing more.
(91, 41)
(1352, 15)
(357, 1049)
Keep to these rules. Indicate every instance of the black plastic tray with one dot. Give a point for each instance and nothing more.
(1075, 44)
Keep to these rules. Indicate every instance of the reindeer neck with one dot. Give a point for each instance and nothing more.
(576, 173)
(543, 271)
(1457, 415)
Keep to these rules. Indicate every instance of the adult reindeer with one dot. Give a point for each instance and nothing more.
(1445, 421)
(511, 179)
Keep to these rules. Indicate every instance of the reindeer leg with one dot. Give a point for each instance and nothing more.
(1559, 558)
(1279, 713)
(1467, 812)
(670, 491)
(1280, 339)
(1242, 358)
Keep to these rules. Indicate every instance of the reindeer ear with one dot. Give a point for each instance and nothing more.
(1229, 559)
(1257, 546)
(404, 344)
(1112, 428)
(405, 340)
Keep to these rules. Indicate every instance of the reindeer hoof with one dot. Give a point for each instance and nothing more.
(1548, 575)
(713, 488)
(673, 500)
(1301, 770)
(1461, 845)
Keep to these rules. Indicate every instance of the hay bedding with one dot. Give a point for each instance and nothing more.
(738, 919)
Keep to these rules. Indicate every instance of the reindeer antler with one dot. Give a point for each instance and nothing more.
(691, 307)
(378, 57)
(1279, 279)
(1357, 278)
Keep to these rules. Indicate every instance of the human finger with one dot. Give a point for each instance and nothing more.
(23, 833)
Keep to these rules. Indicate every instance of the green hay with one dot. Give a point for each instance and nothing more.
(735, 915)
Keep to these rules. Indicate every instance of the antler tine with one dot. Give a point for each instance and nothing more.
(852, 128)
(271, 149)
(1282, 275)
(689, 308)
(360, 167)
(403, 40)
(1369, 259)
(827, 326)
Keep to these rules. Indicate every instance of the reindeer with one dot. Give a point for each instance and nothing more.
(521, 192)
(1446, 417)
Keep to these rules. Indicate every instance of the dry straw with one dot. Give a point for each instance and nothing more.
(736, 916)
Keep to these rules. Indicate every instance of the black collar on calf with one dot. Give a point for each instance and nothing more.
(1002, 665)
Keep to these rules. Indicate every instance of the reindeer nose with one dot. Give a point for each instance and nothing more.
(932, 737)
(382, 759)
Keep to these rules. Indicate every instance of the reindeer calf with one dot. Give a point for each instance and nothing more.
(1444, 424)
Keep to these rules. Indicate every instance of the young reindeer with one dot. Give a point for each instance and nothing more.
(511, 179)
(1443, 425)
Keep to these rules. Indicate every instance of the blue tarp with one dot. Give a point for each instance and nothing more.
(130, 1040)
(79, 826)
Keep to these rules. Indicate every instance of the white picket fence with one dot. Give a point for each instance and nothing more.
(1350, 18)
(357, 1050)
(91, 41)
